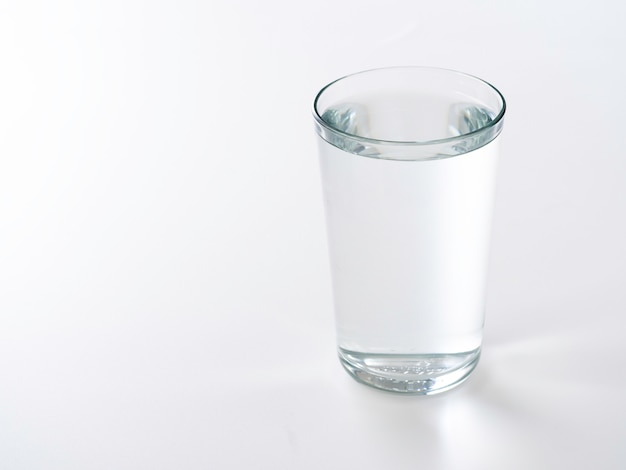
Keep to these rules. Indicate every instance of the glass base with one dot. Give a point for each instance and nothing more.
(419, 374)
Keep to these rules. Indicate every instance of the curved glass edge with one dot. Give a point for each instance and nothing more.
(409, 151)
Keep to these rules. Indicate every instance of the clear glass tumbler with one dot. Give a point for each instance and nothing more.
(408, 162)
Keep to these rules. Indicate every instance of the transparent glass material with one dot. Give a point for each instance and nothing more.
(408, 161)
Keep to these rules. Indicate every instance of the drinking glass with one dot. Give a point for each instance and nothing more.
(408, 162)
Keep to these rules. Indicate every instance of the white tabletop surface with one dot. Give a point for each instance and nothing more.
(164, 283)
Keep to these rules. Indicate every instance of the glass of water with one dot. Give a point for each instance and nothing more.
(408, 162)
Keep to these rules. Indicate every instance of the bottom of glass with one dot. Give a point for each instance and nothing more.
(416, 374)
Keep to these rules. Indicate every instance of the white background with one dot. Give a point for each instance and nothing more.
(164, 284)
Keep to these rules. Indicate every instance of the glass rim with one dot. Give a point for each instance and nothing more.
(415, 143)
